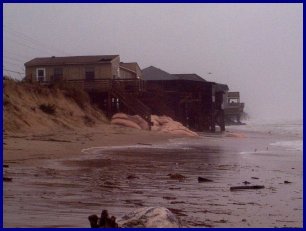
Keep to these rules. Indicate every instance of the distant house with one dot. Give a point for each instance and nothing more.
(87, 68)
(153, 73)
(233, 109)
(188, 98)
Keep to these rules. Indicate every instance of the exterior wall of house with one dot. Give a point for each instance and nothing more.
(116, 68)
(31, 73)
(134, 67)
(72, 72)
(139, 72)
(125, 74)
(103, 71)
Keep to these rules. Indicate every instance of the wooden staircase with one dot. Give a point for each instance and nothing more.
(131, 102)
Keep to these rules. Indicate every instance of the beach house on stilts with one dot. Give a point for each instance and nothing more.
(117, 86)
(112, 85)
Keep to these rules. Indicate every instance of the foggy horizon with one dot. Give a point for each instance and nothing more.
(255, 49)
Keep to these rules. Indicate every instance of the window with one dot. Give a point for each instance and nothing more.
(89, 73)
(233, 101)
(40, 74)
(58, 73)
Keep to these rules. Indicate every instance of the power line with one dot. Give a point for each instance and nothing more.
(32, 40)
(13, 71)
(6, 63)
(7, 50)
(12, 62)
(12, 58)
(28, 46)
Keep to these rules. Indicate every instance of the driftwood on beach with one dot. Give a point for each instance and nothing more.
(247, 187)
(202, 179)
(7, 179)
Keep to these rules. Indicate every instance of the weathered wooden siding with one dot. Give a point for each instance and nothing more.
(115, 67)
(72, 72)
(124, 74)
(139, 72)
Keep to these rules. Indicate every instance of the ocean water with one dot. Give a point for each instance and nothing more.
(292, 130)
(290, 135)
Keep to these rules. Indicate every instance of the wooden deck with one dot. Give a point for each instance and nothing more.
(105, 85)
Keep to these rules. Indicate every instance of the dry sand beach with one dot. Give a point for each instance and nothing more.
(59, 179)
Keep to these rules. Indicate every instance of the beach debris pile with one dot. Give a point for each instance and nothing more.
(159, 123)
(146, 217)
(103, 222)
(176, 176)
(149, 217)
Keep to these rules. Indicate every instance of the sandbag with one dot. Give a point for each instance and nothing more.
(165, 119)
(140, 121)
(126, 123)
(155, 128)
(120, 116)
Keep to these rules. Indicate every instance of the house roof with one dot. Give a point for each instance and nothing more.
(132, 66)
(154, 73)
(193, 77)
(233, 94)
(221, 87)
(93, 59)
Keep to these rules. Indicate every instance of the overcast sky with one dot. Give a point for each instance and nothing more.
(253, 48)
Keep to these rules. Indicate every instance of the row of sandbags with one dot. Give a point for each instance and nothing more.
(167, 124)
(159, 123)
(126, 120)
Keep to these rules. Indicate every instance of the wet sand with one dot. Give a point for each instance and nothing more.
(56, 190)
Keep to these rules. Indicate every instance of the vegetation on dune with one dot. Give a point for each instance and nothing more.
(33, 106)
(48, 108)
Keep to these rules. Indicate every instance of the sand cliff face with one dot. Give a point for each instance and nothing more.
(36, 108)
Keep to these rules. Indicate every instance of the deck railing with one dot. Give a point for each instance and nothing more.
(124, 89)
(129, 85)
(133, 103)
(233, 108)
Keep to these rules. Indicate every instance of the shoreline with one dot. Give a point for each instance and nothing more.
(63, 143)
(69, 185)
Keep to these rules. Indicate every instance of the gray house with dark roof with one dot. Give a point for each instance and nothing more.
(153, 73)
(188, 98)
(191, 77)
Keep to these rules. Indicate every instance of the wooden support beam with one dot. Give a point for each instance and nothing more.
(109, 104)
